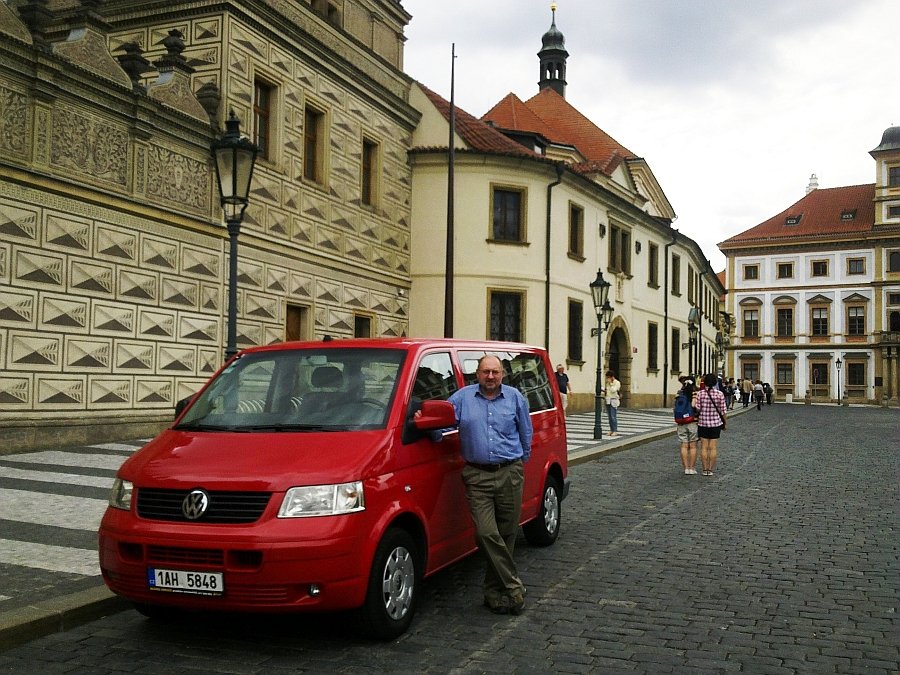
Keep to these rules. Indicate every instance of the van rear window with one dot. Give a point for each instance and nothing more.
(300, 390)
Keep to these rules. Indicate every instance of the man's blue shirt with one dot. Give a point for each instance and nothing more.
(492, 430)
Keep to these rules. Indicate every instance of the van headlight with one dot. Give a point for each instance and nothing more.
(322, 500)
(120, 495)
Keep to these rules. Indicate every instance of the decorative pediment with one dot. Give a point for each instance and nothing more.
(856, 297)
(819, 299)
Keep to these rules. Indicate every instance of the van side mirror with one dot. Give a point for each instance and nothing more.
(181, 405)
(435, 415)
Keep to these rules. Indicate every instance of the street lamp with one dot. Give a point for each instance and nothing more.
(838, 364)
(692, 340)
(234, 157)
(600, 296)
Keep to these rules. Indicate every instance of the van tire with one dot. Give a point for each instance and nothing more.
(544, 530)
(393, 590)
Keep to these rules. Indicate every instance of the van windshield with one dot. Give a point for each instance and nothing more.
(300, 390)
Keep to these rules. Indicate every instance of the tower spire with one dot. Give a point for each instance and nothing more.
(553, 57)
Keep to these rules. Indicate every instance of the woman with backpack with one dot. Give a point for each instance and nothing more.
(686, 419)
(711, 422)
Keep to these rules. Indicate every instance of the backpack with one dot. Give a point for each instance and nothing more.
(684, 412)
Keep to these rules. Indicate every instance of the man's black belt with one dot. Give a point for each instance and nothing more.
(493, 467)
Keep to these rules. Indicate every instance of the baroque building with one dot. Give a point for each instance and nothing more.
(112, 247)
(815, 291)
(543, 199)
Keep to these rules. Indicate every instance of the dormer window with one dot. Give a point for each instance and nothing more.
(848, 215)
(792, 220)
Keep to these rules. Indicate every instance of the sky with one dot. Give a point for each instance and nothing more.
(732, 103)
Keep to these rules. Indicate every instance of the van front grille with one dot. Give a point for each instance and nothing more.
(224, 507)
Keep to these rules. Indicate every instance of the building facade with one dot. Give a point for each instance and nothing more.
(112, 248)
(815, 291)
(542, 200)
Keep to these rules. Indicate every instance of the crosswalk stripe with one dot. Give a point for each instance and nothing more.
(49, 557)
(56, 477)
(73, 513)
(60, 458)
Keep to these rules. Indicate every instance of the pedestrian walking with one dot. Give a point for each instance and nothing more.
(758, 394)
(746, 390)
(728, 390)
(685, 412)
(562, 380)
(495, 440)
(768, 391)
(611, 394)
(710, 424)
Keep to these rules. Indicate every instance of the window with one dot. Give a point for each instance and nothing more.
(506, 317)
(820, 268)
(784, 374)
(434, 378)
(296, 323)
(652, 346)
(894, 298)
(856, 266)
(576, 328)
(751, 370)
(784, 321)
(849, 214)
(894, 176)
(856, 321)
(820, 326)
(262, 118)
(751, 272)
(894, 212)
(619, 250)
(370, 172)
(362, 326)
(690, 285)
(313, 145)
(894, 261)
(751, 323)
(576, 231)
(785, 271)
(819, 374)
(507, 207)
(653, 266)
(676, 350)
(856, 374)
(676, 275)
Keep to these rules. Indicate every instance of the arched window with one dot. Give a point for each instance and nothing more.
(894, 261)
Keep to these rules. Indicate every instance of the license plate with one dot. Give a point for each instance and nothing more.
(185, 581)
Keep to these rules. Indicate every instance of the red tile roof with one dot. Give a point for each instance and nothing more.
(562, 123)
(476, 134)
(820, 216)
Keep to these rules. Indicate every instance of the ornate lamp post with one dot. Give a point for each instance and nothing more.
(692, 341)
(600, 297)
(838, 364)
(235, 157)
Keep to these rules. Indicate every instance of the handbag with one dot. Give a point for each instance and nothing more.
(721, 416)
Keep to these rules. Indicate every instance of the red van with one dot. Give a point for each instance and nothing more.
(298, 480)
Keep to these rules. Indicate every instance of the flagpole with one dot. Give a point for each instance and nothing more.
(451, 158)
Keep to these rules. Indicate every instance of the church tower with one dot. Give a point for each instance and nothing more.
(553, 56)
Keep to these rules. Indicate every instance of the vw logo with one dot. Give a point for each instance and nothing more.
(195, 504)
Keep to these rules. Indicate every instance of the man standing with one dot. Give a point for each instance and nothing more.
(495, 440)
(746, 390)
(562, 380)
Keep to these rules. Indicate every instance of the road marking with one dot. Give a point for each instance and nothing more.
(38, 508)
(55, 477)
(59, 458)
(48, 557)
(120, 447)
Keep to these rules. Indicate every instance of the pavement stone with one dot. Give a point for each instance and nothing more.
(784, 561)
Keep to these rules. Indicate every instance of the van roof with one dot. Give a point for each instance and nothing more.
(396, 343)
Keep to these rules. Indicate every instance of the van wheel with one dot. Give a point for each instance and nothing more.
(543, 530)
(393, 586)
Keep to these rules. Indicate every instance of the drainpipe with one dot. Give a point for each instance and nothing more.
(666, 318)
(559, 174)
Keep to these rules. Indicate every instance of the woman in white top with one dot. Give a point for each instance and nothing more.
(611, 393)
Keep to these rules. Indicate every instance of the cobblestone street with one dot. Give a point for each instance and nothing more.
(785, 561)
